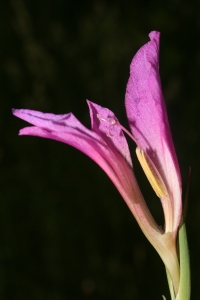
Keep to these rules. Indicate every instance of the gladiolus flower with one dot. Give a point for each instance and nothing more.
(106, 144)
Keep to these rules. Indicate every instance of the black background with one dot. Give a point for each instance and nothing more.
(65, 232)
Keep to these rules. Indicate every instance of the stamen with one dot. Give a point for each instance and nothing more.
(152, 174)
(112, 122)
(100, 118)
(128, 133)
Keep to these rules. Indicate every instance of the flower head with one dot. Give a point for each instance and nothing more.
(106, 144)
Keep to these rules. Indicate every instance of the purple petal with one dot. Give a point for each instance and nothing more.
(146, 112)
(106, 145)
(105, 124)
(110, 153)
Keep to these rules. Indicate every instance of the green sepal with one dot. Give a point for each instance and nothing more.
(184, 288)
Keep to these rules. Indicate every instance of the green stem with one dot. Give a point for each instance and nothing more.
(185, 288)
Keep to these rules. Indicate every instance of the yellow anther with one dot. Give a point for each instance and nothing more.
(152, 174)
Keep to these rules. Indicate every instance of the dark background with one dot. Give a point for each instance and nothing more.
(65, 232)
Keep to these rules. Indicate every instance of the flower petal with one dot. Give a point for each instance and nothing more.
(105, 124)
(110, 153)
(147, 115)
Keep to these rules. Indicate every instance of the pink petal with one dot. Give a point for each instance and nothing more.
(105, 124)
(110, 153)
(146, 112)
(105, 144)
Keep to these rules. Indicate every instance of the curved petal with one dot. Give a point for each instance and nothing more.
(111, 153)
(105, 124)
(147, 116)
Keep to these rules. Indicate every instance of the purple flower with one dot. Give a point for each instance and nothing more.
(106, 144)
(147, 115)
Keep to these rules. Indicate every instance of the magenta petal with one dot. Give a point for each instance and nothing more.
(105, 144)
(146, 112)
(111, 154)
(101, 127)
(105, 124)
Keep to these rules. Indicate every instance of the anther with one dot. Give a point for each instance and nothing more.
(152, 174)
(113, 122)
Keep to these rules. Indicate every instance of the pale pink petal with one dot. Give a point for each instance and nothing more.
(146, 112)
